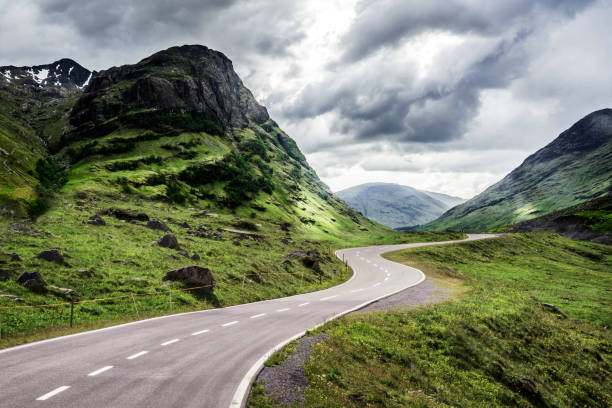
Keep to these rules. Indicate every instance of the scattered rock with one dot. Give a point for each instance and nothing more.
(13, 298)
(14, 257)
(96, 220)
(168, 241)
(182, 252)
(310, 259)
(184, 225)
(31, 280)
(85, 272)
(137, 278)
(236, 242)
(51, 255)
(156, 224)
(111, 236)
(247, 225)
(192, 275)
(287, 241)
(64, 291)
(195, 256)
(119, 261)
(125, 214)
(5, 274)
(174, 257)
(554, 309)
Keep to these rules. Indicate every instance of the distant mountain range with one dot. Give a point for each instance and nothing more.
(397, 206)
(574, 168)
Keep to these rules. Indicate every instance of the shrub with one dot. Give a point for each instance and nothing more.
(50, 173)
(38, 207)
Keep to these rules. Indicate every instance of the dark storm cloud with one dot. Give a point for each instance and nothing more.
(374, 102)
(385, 23)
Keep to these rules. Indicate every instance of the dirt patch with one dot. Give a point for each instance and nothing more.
(286, 381)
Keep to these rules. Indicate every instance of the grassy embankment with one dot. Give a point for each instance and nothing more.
(495, 345)
(143, 174)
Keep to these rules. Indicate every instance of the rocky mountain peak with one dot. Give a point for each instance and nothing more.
(64, 73)
(185, 79)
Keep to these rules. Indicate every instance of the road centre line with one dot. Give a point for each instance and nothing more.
(133, 356)
(356, 290)
(230, 323)
(304, 304)
(257, 315)
(283, 310)
(100, 371)
(329, 297)
(378, 284)
(200, 332)
(52, 393)
(167, 343)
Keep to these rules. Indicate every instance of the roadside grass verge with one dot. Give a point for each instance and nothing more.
(496, 345)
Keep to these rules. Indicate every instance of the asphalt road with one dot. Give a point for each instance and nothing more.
(197, 359)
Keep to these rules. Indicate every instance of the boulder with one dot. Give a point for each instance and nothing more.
(156, 224)
(5, 274)
(13, 298)
(31, 280)
(63, 291)
(51, 255)
(125, 214)
(192, 275)
(236, 242)
(169, 241)
(14, 257)
(96, 220)
(195, 256)
(85, 272)
(182, 252)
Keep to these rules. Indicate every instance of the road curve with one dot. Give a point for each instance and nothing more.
(197, 359)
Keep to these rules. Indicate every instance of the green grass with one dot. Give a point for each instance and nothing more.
(496, 345)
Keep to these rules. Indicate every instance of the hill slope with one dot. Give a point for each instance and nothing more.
(575, 167)
(395, 205)
(174, 144)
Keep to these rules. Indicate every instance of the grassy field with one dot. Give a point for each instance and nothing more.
(497, 344)
(124, 260)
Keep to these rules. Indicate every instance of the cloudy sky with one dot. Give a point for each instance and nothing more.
(444, 95)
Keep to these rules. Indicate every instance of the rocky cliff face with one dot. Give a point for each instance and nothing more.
(186, 79)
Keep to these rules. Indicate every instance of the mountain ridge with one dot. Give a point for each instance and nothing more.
(396, 205)
(573, 168)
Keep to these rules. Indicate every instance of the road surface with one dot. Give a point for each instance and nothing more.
(197, 359)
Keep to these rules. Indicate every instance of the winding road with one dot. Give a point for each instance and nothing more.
(198, 359)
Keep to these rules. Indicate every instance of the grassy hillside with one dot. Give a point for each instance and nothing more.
(106, 185)
(574, 168)
(533, 330)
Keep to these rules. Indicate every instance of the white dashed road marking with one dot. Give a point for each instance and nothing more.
(258, 315)
(329, 297)
(230, 323)
(52, 393)
(304, 304)
(200, 332)
(283, 310)
(100, 371)
(167, 343)
(133, 356)
(357, 290)
(378, 284)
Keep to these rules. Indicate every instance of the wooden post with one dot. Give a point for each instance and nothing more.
(135, 307)
(243, 277)
(71, 308)
(170, 300)
(0, 330)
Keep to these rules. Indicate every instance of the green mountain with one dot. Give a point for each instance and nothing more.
(575, 167)
(397, 206)
(112, 180)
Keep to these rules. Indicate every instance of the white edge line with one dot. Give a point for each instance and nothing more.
(133, 356)
(52, 393)
(167, 343)
(100, 371)
(200, 332)
(240, 396)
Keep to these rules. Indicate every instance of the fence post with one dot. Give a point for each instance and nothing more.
(243, 277)
(135, 307)
(171, 300)
(0, 330)
(71, 308)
